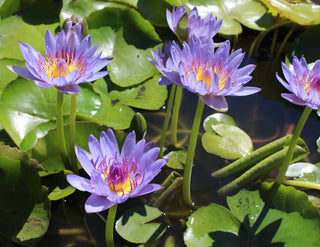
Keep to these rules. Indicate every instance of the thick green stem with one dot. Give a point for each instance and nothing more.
(293, 143)
(166, 120)
(72, 131)
(60, 132)
(301, 184)
(110, 225)
(190, 154)
(175, 114)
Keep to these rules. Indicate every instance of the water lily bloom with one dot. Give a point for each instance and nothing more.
(116, 176)
(68, 61)
(203, 29)
(304, 84)
(201, 69)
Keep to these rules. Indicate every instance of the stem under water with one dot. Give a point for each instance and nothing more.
(175, 114)
(190, 154)
(110, 225)
(166, 120)
(293, 143)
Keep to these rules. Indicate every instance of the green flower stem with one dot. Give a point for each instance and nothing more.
(110, 225)
(302, 184)
(60, 132)
(190, 154)
(166, 120)
(175, 114)
(293, 143)
(72, 131)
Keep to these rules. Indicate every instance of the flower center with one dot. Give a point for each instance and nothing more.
(121, 178)
(206, 72)
(61, 66)
(311, 81)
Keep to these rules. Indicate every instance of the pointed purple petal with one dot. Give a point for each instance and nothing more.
(95, 204)
(79, 183)
(216, 102)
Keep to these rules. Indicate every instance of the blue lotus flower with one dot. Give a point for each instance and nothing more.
(202, 70)
(116, 176)
(203, 29)
(304, 84)
(68, 61)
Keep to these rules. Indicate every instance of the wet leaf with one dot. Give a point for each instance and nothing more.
(139, 220)
(229, 142)
(216, 118)
(250, 13)
(302, 12)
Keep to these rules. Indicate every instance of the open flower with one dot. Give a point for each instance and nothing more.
(68, 61)
(203, 29)
(202, 70)
(116, 176)
(304, 84)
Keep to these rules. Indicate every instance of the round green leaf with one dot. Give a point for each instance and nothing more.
(15, 30)
(250, 13)
(6, 75)
(149, 95)
(304, 171)
(24, 205)
(229, 142)
(8, 7)
(81, 8)
(112, 112)
(176, 159)
(123, 34)
(138, 220)
(216, 118)
(207, 220)
(301, 12)
(24, 106)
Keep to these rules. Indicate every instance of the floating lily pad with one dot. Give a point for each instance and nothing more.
(136, 225)
(304, 171)
(229, 142)
(24, 204)
(250, 13)
(24, 106)
(58, 186)
(176, 159)
(8, 7)
(251, 222)
(216, 118)
(301, 12)
(128, 41)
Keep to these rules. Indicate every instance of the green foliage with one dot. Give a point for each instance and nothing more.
(252, 221)
(138, 220)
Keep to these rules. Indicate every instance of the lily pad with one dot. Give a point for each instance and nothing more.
(24, 106)
(58, 186)
(176, 159)
(304, 171)
(8, 7)
(14, 29)
(250, 222)
(229, 142)
(149, 95)
(128, 38)
(138, 220)
(216, 118)
(250, 13)
(301, 12)
(24, 205)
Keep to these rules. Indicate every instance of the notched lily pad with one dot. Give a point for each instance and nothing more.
(229, 142)
(216, 118)
(136, 225)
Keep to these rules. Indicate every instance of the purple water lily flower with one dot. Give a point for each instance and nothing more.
(68, 61)
(304, 84)
(116, 176)
(203, 29)
(202, 70)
